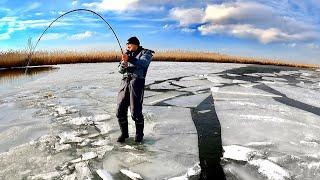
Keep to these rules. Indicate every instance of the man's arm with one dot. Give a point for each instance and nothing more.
(144, 60)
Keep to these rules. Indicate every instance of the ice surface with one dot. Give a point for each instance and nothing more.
(83, 171)
(268, 119)
(131, 175)
(187, 101)
(239, 153)
(192, 173)
(270, 170)
(104, 175)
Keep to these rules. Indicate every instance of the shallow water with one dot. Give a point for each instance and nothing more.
(16, 77)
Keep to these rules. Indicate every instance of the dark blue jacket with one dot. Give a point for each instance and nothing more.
(138, 63)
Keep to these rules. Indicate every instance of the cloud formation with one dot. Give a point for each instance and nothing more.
(81, 36)
(113, 5)
(53, 36)
(246, 20)
(187, 17)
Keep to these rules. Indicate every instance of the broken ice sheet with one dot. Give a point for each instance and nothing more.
(192, 173)
(270, 170)
(62, 110)
(104, 175)
(70, 137)
(100, 142)
(84, 157)
(187, 101)
(61, 147)
(239, 153)
(161, 97)
(163, 86)
(81, 121)
(51, 175)
(83, 171)
(192, 83)
(104, 127)
(131, 175)
(199, 88)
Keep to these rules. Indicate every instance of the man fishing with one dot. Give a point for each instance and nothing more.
(134, 65)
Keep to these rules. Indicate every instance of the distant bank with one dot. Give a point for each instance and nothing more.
(10, 59)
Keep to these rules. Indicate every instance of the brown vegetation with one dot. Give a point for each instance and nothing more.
(20, 58)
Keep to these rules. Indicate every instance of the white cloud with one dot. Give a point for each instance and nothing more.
(169, 27)
(74, 2)
(313, 46)
(13, 24)
(113, 5)
(245, 19)
(4, 36)
(53, 36)
(292, 45)
(188, 30)
(81, 36)
(187, 17)
(249, 31)
(33, 6)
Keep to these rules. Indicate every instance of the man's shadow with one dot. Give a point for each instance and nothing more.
(209, 139)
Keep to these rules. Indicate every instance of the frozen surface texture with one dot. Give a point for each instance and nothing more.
(62, 124)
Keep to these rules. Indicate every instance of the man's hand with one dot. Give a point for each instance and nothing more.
(125, 58)
(124, 64)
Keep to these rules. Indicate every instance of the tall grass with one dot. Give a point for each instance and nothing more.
(10, 59)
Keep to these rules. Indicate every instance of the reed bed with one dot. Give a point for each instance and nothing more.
(11, 59)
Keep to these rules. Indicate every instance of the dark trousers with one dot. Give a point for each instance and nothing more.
(130, 94)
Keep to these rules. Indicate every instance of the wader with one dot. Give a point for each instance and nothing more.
(130, 94)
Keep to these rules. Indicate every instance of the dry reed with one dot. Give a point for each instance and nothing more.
(10, 59)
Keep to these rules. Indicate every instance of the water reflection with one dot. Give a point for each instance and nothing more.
(16, 76)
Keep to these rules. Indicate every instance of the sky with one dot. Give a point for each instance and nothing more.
(278, 29)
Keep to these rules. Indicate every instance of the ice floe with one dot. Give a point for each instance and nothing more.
(239, 153)
(192, 173)
(104, 175)
(83, 171)
(45, 176)
(70, 137)
(130, 174)
(270, 170)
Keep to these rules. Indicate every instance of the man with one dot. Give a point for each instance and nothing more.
(134, 65)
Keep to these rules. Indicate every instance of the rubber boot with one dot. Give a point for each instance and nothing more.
(124, 132)
(139, 132)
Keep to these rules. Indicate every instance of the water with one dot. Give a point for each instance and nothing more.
(11, 78)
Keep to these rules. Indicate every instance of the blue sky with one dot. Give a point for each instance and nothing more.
(278, 29)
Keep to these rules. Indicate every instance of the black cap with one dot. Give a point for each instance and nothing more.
(133, 40)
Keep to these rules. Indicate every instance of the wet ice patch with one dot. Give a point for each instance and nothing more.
(236, 81)
(62, 110)
(270, 170)
(260, 144)
(50, 175)
(187, 101)
(104, 175)
(239, 153)
(130, 174)
(309, 144)
(81, 121)
(272, 119)
(83, 171)
(70, 137)
(192, 173)
(89, 120)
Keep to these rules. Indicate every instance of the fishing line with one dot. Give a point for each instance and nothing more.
(86, 10)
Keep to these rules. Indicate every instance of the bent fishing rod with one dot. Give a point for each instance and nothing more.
(75, 10)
